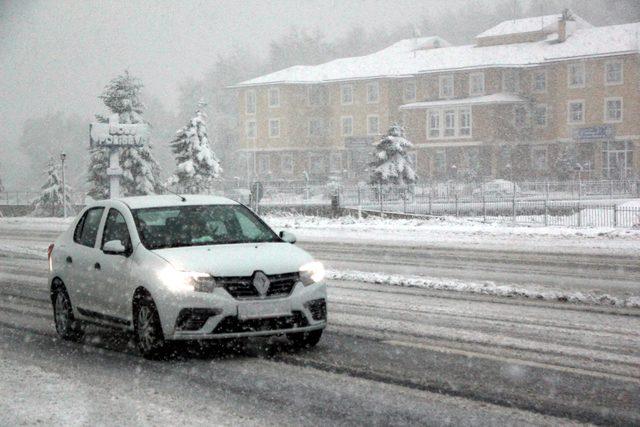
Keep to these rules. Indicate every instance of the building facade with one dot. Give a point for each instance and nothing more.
(538, 98)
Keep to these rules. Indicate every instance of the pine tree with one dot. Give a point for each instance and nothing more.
(50, 201)
(391, 164)
(565, 162)
(197, 165)
(140, 169)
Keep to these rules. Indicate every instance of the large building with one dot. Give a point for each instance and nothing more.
(535, 98)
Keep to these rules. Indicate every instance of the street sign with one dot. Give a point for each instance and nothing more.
(118, 134)
(594, 133)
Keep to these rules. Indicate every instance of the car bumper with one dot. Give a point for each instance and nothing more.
(228, 320)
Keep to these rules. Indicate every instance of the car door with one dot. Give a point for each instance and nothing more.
(81, 258)
(112, 276)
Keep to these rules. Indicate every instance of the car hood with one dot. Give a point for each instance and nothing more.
(241, 259)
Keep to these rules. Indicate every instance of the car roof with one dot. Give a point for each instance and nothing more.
(141, 202)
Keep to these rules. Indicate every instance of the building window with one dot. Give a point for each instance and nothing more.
(316, 164)
(373, 92)
(409, 93)
(575, 73)
(464, 115)
(263, 164)
(250, 129)
(274, 128)
(373, 125)
(335, 162)
(347, 125)
(576, 112)
(540, 115)
(446, 86)
(539, 157)
(274, 97)
(520, 117)
(434, 124)
(613, 110)
(346, 94)
(476, 84)
(250, 101)
(449, 123)
(617, 159)
(613, 74)
(440, 163)
(539, 79)
(510, 81)
(286, 164)
(315, 95)
(316, 127)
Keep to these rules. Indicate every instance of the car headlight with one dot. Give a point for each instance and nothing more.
(187, 281)
(311, 272)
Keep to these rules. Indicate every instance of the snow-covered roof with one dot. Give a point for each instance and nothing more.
(530, 25)
(401, 59)
(496, 98)
(141, 202)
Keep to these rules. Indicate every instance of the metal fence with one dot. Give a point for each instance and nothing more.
(577, 204)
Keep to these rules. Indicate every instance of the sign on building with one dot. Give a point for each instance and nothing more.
(594, 133)
(118, 134)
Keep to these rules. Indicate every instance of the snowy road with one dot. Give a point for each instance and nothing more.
(390, 355)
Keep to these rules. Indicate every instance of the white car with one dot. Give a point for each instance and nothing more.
(174, 268)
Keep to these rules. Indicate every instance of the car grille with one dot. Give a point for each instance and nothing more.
(242, 287)
(232, 324)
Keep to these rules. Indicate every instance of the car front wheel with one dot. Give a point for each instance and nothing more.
(66, 325)
(305, 339)
(148, 330)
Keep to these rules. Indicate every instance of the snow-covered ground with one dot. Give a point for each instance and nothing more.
(461, 232)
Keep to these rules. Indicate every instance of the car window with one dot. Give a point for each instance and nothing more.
(249, 224)
(176, 226)
(115, 228)
(77, 234)
(90, 224)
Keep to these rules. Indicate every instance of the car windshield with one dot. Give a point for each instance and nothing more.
(178, 226)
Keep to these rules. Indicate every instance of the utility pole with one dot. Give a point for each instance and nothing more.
(63, 157)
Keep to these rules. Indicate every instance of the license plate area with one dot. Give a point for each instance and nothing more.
(261, 309)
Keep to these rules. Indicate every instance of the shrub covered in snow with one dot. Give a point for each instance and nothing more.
(197, 165)
(50, 202)
(391, 163)
(140, 169)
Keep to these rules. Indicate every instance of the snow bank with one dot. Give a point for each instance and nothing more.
(443, 225)
(484, 288)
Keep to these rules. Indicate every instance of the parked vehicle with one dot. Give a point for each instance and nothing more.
(173, 268)
(498, 188)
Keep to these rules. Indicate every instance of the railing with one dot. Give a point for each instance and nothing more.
(22, 198)
(577, 204)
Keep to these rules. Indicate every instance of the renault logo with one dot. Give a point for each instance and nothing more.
(261, 283)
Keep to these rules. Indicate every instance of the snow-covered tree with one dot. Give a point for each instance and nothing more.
(1, 186)
(197, 164)
(140, 169)
(565, 162)
(50, 202)
(391, 163)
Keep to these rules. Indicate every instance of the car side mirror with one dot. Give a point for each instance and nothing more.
(288, 237)
(114, 247)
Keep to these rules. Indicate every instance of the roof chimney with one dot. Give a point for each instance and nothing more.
(562, 25)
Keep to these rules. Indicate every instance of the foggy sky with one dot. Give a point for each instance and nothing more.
(58, 55)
